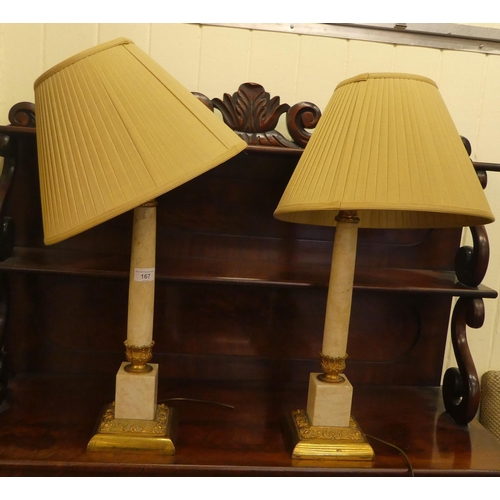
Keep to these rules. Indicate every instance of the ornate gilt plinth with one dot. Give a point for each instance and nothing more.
(306, 441)
(134, 435)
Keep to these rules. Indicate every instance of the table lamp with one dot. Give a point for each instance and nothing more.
(114, 132)
(385, 154)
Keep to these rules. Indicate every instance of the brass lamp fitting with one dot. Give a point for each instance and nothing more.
(332, 368)
(347, 216)
(138, 356)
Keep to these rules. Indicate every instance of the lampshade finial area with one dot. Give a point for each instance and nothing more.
(386, 146)
(114, 131)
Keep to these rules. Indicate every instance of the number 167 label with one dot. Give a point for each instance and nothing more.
(144, 274)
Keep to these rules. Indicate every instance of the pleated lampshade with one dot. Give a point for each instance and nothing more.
(115, 130)
(386, 146)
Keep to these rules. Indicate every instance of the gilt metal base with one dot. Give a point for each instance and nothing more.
(306, 441)
(135, 435)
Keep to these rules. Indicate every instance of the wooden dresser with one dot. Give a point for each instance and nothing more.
(240, 305)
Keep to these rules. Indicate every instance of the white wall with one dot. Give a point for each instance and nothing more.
(214, 60)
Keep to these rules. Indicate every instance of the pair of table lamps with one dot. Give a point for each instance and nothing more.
(115, 131)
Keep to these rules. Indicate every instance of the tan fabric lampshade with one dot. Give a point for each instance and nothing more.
(386, 146)
(115, 130)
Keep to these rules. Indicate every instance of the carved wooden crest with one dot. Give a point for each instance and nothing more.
(254, 115)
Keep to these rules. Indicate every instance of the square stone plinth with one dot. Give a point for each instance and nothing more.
(136, 393)
(329, 404)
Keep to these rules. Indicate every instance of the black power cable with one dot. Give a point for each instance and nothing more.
(410, 467)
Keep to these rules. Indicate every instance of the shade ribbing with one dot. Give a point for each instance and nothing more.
(386, 146)
(115, 130)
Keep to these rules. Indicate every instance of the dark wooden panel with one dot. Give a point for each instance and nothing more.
(75, 324)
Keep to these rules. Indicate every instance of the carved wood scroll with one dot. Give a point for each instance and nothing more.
(22, 114)
(254, 115)
(461, 389)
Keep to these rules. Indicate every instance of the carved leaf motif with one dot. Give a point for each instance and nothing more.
(251, 109)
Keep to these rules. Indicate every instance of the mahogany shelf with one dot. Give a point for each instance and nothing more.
(51, 418)
(240, 271)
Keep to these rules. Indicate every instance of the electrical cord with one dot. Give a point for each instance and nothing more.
(216, 403)
(410, 467)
